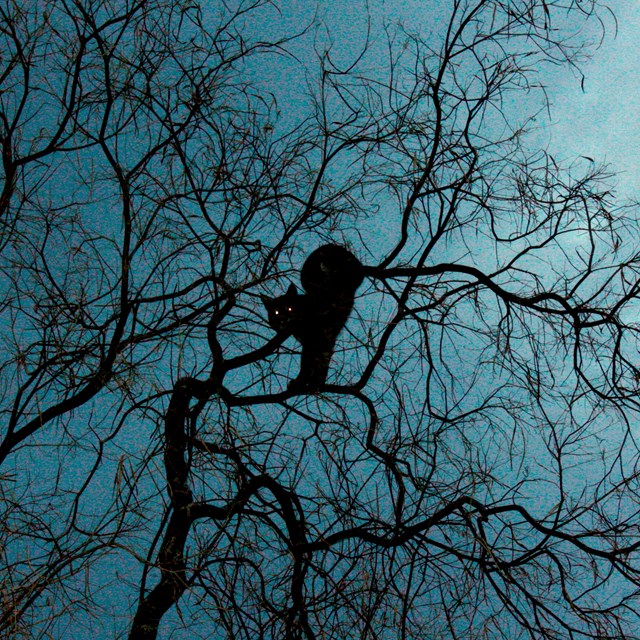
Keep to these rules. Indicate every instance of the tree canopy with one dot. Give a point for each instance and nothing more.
(470, 467)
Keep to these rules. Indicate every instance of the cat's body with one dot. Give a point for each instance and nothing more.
(330, 277)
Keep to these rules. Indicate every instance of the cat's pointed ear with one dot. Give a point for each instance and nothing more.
(292, 291)
(266, 301)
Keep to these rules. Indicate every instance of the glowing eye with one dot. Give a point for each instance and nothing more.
(289, 309)
(277, 312)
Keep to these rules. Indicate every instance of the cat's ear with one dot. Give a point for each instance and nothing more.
(267, 302)
(292, 291)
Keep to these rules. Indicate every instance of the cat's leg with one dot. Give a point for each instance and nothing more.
(314, 365)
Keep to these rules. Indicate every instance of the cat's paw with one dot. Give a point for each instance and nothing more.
(298, 385)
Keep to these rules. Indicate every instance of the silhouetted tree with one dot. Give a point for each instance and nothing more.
(470, 468)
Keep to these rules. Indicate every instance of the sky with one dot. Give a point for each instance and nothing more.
(594, 116)
(602, 121)
(596, 119)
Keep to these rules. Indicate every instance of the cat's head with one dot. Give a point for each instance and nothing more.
(283, 310)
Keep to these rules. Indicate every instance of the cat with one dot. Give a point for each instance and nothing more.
(330, 277)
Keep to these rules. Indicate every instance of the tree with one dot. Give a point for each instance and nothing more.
(470, 467)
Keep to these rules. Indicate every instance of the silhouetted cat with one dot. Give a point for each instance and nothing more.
(330, 277)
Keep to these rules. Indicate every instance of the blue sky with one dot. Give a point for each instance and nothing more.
(598, 121)
(602, 120)
(596, 117)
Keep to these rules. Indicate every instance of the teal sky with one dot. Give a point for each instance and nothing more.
(597, 117)
(602, 120)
